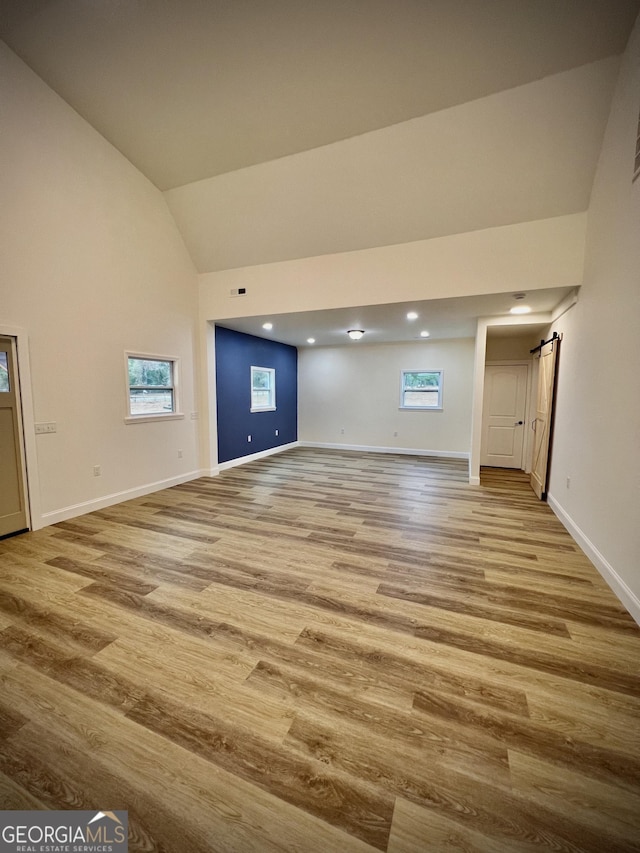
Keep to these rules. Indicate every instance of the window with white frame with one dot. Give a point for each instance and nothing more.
(421, 389)
(263, 389)
(152, 386)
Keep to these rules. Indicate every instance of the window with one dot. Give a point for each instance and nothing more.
(421, 389)
(152, 387)
(263, 389)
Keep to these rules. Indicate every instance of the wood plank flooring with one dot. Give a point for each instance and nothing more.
(323, 651)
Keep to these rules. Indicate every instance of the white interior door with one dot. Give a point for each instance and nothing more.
(503, 415)
(541, 424)
(13, 509)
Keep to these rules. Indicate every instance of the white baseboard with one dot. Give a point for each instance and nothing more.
(242, 460)
(474, 481)
(626, 595)
(405, 451)
(75, 510)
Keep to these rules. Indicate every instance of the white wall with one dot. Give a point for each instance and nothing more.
(511, 348)
(92, 265)
(356, 388)
(597, 430)
(528, 256)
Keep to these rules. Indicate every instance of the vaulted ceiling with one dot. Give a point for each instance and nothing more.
(283, 129)
(188, 89)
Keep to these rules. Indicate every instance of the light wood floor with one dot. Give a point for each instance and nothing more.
(323, 651)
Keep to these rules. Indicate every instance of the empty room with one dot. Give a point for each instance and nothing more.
(319, 339)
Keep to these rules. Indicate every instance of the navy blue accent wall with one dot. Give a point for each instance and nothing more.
(235, 354)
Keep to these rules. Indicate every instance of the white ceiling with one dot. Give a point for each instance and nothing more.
(516, 156)
(188, 89)
(442, 318)
(406, 119)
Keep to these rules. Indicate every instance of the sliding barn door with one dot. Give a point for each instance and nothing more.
(543, 419)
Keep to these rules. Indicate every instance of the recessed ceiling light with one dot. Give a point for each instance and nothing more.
(311, 340)
(424, 334)
(267, 326)
(520, 309)
(412, 315)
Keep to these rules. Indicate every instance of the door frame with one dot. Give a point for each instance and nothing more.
(527, 445)
(26, 425)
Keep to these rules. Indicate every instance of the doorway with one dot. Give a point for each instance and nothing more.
(504, 415)
(13, 502)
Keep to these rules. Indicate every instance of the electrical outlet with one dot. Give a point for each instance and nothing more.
(395, 434)
(195, 416)
(342, 431)
(248, 438)
(97, 471)
(277, 432)
(568, 482)
(179, 454)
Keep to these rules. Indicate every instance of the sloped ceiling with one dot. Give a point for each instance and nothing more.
(520, 155)
(290, 128)
(188, 89)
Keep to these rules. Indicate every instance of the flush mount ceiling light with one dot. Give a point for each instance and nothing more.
(412, 315)
(267, 326)
(424, 334)
(520, 309)
(311, 340)
(355, 334)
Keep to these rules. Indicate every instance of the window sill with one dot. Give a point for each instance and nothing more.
(265, 409)
(420, 408)
(143, 419)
